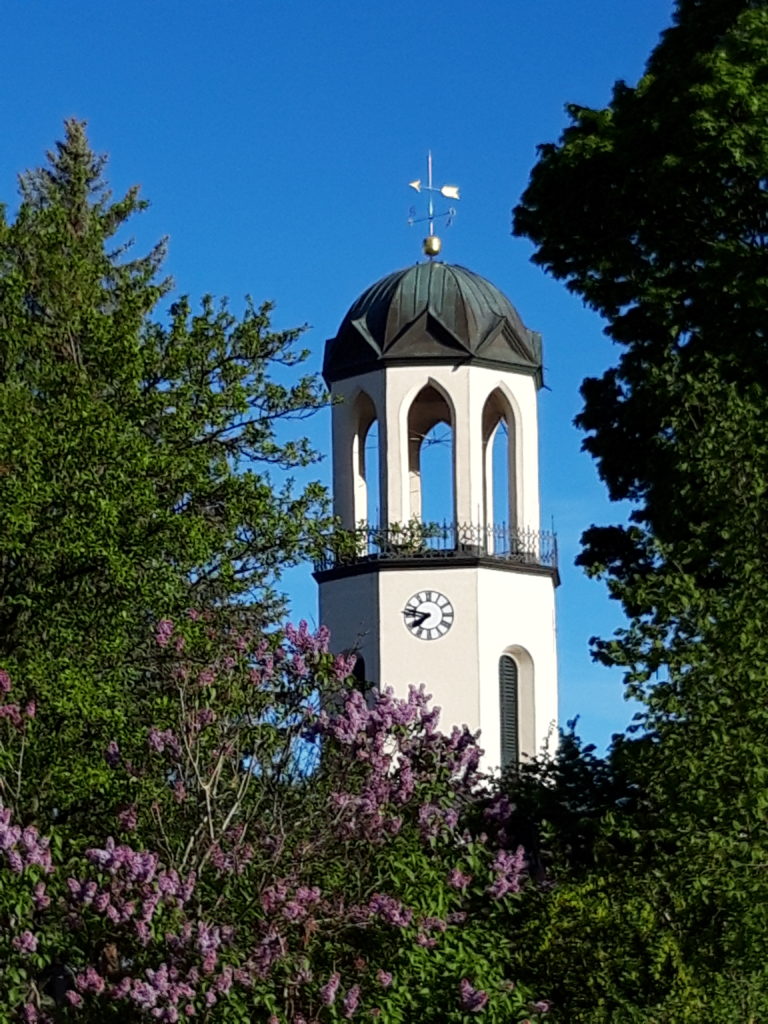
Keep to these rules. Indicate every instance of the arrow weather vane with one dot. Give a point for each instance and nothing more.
(432, 243)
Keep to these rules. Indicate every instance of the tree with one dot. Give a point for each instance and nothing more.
(655, 211)
(200, 816)
(134, 463)
(285, 851)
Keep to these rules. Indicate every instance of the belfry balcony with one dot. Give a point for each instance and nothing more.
(497, 545)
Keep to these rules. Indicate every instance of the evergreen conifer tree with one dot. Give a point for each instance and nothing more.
(134, 463)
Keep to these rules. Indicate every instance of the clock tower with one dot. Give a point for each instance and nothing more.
(463, 602)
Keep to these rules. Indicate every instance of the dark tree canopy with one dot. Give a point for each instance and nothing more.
(655, 211)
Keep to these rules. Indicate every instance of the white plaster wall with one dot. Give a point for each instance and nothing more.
(448, 666)
(495, 611)
(517, 610)
(349, 607)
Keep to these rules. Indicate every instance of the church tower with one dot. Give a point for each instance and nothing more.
(463, 602)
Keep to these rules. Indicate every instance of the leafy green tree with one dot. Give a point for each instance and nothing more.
(135, 459)
(655, 211)
(260, 881)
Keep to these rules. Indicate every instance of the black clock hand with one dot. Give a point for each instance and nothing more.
(417, 616)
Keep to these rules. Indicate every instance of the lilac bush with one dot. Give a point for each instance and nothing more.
(282, 847)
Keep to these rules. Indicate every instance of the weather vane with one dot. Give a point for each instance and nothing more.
(432, 243)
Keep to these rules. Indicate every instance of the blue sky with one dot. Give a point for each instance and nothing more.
(275, 141)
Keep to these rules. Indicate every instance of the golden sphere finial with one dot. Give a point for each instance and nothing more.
(432, 246)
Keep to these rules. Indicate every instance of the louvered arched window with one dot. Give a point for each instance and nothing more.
(509, 718)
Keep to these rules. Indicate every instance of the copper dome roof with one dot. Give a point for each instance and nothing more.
(432, 313)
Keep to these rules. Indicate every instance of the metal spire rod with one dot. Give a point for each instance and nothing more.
(432, 243)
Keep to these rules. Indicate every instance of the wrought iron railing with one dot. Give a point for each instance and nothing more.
(417, 540)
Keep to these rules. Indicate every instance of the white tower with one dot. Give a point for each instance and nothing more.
(466, 604)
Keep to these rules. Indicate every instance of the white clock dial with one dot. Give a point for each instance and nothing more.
(428, 615)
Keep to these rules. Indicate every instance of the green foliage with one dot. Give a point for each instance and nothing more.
(199, 816)
(655, 211)
(134, 458)
(285, 850)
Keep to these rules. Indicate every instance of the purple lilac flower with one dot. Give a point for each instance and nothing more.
(23, 848)
(90, 981)
(509, 868)
(26, 942)
(41, 900)
(128, 818)
(163, 632)
(471, 999)
(384, 978)
(133, 865)
(351, 1000)
(12, 713)
(457, 879)
(161, 739)
(390, 910)
(224, 981)
(329, 990)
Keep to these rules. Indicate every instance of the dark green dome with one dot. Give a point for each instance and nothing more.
(432, 313)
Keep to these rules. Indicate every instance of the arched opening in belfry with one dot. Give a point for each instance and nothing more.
(431, 457)
(499, 471)
(365, 461)
(372, 479)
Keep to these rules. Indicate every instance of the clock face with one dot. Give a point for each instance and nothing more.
(428, 615)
